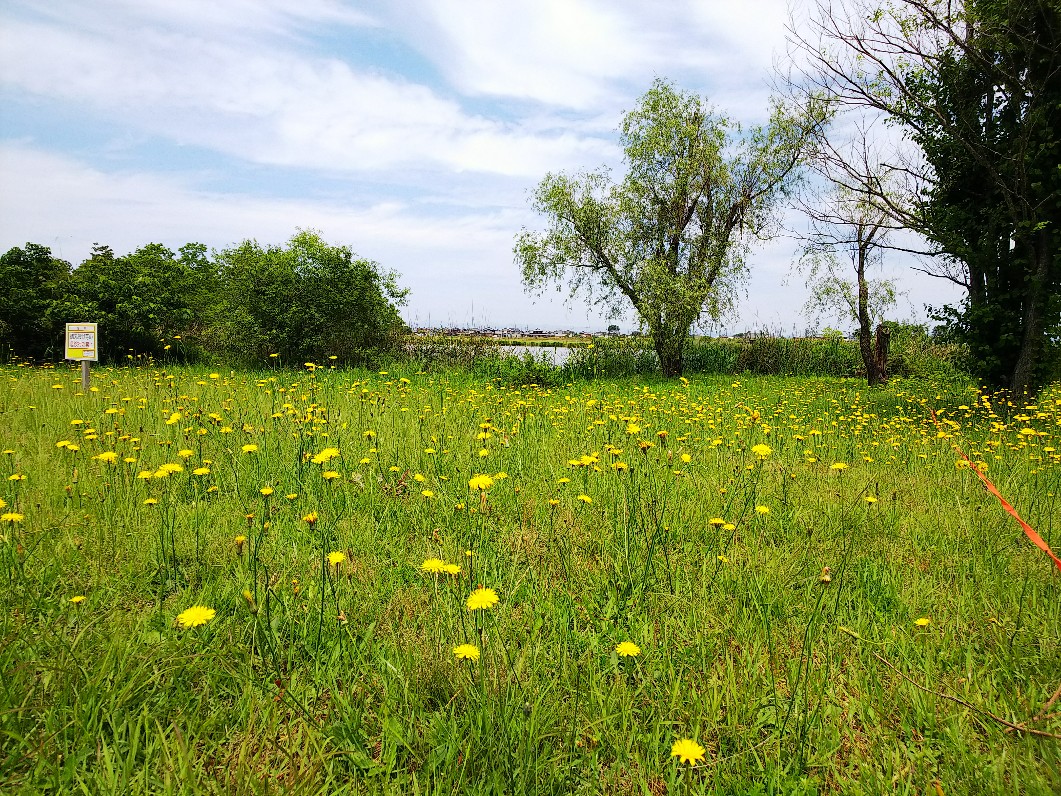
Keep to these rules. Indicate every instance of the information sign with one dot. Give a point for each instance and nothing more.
(81, 339)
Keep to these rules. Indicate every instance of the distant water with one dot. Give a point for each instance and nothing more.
(556, 355)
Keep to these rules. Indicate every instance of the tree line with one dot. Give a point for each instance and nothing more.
(304, 300)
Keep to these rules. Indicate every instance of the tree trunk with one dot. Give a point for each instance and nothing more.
(865, 324)
(884, 340)
(670, 348)
(1024, 382)
(869, 359)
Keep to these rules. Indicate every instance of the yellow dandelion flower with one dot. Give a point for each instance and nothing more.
(329, 475)
(585, 499)
(433, 565)
(335, 558)
(838, 466)
(201, 471)
(481, 482)
(107, 456)
(325, 455)
(686, 458)
(174, 419)
(249, 448)
(627, 649)
(266, 491)
(687, 751)
(924, 621)
(482, 599)
(311, 518)
(716, 521)
(77, 599)
(762, 451)
(195, 616)
(12, 517)
(762, 509)
(451, 569)
(466, 652)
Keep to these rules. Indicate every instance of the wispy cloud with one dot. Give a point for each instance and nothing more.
(276, 106)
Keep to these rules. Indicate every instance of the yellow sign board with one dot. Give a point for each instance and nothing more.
(81, 339)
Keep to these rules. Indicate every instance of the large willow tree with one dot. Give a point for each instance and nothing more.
(671, 238)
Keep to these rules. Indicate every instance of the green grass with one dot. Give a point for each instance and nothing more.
(343, 680)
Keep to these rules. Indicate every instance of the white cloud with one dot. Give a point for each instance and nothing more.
(277, 107)
(560, 52)
(231, 19)
(591, 55)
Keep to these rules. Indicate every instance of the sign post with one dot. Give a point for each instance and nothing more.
(81, 345)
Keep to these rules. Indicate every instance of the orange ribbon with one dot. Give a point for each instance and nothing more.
(1029, 531)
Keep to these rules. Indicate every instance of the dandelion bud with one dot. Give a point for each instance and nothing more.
(826, 576)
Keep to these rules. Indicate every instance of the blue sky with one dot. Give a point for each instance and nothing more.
(410, 130)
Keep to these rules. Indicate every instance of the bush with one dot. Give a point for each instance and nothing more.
(914, 352)
(308, 300)
(609, 357)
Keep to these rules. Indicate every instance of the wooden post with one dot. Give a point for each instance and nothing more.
(84, 375)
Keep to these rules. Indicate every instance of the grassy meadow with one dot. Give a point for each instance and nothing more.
(284, 581)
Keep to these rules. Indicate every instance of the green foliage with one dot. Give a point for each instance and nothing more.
(439, 352)
(991, 134)
(613, 357)
(915, 352)
(140, 300)
(32, 282)
(308, 300)
(305, 300)
(976, 87)
(669, 239)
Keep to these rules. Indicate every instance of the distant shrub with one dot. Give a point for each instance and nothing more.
(914, 352)
(439, 351)
(781, 356)
(612, 357)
